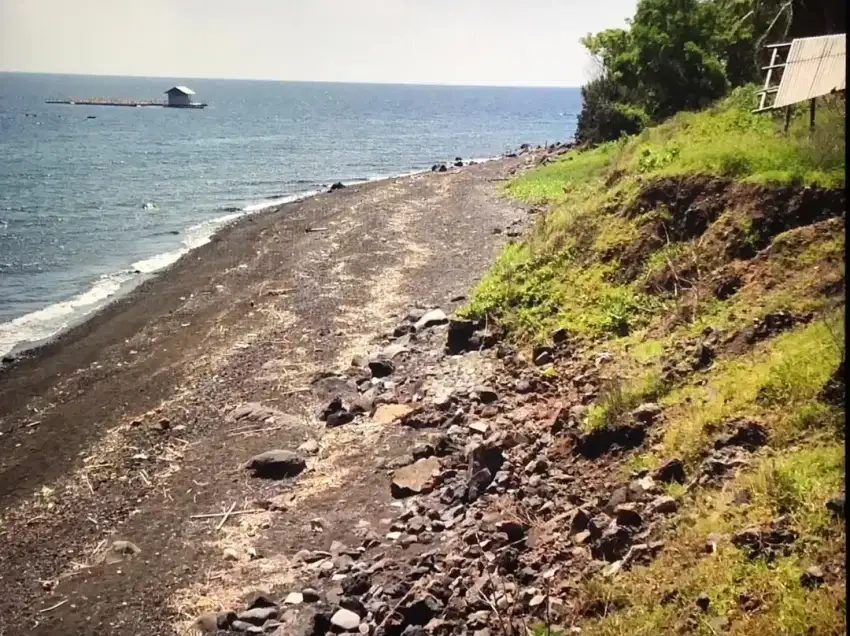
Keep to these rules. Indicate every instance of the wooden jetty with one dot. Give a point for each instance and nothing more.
(178, 97)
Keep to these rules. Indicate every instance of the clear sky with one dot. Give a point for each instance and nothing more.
(498, 42)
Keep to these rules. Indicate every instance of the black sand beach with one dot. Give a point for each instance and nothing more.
(118, 429)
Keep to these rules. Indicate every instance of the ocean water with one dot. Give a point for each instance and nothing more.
(90, 206)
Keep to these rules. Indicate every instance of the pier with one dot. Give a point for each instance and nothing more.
(100, 101)
(178, 97)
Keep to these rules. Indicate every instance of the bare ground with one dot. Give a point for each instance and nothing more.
(119, 430)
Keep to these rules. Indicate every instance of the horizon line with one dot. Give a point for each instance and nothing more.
(291, 81)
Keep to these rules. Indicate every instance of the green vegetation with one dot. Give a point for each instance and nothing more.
(569, 271)
(624, 262)
(747, 596)
(679, 55)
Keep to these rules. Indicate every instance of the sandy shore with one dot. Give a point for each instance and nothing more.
(117, 430)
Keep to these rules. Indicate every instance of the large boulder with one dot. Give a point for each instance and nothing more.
(277, 464)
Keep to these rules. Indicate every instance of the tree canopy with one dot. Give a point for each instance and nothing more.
(684, 54)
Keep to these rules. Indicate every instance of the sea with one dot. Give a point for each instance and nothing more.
(94, 199)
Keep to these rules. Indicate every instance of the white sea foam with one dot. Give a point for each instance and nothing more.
(44, 323)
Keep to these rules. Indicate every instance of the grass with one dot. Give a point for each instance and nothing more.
(777, 382)
(748, 597)
(594, 265)
(568, 271)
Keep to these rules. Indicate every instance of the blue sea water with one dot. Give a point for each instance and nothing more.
(89, 206)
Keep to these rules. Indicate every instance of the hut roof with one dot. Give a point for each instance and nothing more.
(180, 89)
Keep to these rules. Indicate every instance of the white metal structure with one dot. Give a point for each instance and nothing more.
(813, 67)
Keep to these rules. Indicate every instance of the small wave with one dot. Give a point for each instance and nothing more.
(49, 321)
(270, 203)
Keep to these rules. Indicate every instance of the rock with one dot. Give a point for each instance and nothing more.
(458, 164)
(389, 413)
(703, 602)
(672, 470)
(420, 612)
(614, 543)
(442, 168)
(259, 598)
(356, 584)
(542, 356)
(748, 434)
(310, 447)
(120, 550)
(339, 185)
(486, 394)
(225, 618)
(310, 595)
(277, 464)
(381, 368)
(416, 478)
(836, 506)
(294, 598)
(207, 623)
(345, 619)
(430, 319)
(478, 427)
(246, 628)
(339, 418)
(627, 515)
(259, 615)
(230, 554)
(647, 413)
(769, 541)
(663, 505)
(812, 578)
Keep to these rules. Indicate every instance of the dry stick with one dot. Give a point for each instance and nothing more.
(256, 430)
(225, 517)
(88, 483)
(210, 515)
(53, 607)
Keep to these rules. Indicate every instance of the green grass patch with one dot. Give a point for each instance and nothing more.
(747, 596)
(552, 182)
(728, 140)
(776, 382)
(620, 397)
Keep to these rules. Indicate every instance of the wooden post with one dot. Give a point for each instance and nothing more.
(787, 119)
(812, 113)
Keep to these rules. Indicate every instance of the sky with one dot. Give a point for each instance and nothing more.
(483, 42)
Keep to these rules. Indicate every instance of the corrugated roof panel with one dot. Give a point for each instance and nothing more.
(181, 89)
(814, 67)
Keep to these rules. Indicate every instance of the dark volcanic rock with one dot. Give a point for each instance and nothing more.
(768, 541)
(747, 434)
(381, 368)
(356, 584)
(339, 185)
(671, 470)
(609, 439)
(836, 506)
(277, 464)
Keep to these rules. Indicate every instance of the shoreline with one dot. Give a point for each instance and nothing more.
(119, 284)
